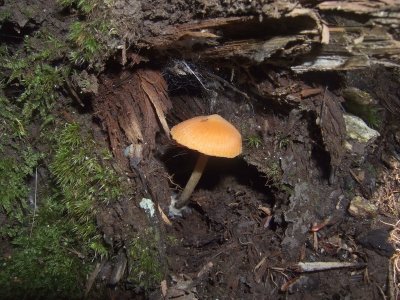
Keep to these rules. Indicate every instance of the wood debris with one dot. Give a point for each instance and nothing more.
(359, 6)
(164, 217)
(303, 267)
(280, 35)
(156, 90)
(132, 109)
(250, 38)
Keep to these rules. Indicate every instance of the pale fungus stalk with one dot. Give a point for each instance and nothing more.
(193, 180)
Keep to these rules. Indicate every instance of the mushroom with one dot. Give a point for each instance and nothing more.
(211, 136)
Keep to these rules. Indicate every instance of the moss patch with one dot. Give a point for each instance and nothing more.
(84, 182)
(43, 263)
(145, 270)
(92, 38)
(48, 250)
(52, 254)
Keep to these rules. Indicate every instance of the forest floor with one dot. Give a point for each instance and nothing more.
(309, 210)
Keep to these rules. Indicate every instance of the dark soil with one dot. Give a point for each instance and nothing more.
(250, 218)
(250, 251)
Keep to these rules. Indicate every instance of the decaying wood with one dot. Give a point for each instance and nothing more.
(353, 47)
(250, 38)
(92, 277)
(324, 106)
(156, 91)
(331, 123)
(299, 38)
(132, 109)
(360, 6)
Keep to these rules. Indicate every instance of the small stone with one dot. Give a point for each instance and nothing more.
(362, 208)
(357, 129)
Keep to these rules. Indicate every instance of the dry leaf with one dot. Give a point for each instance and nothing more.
(164, 216)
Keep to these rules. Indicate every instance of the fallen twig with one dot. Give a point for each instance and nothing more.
(164, 216)
(303, 267)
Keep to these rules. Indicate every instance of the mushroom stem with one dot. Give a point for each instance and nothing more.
(193, 180)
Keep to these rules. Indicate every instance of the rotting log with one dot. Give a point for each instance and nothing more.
(303, 39)
(252, 39)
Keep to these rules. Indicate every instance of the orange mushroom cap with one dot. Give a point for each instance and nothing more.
(211, 135)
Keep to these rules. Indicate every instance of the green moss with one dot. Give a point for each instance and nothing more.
(13, 188)
(90, 37)
(41, 48)
(368, 113)
(41, 263)
(29, 10)
(42, 267)
(171, 240)
(273, 172)
(35, 74)
(90, 42)
(287, 189)
(360, 103)
(44, 262)
(40, 90)
(145, 269)
(373, 118)
(52, 256)
(282, 140)
(11, 122)
(84, 182)
(17, 164)
(253, 141)
(85, 6)
(274, 175)
(44, 47)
